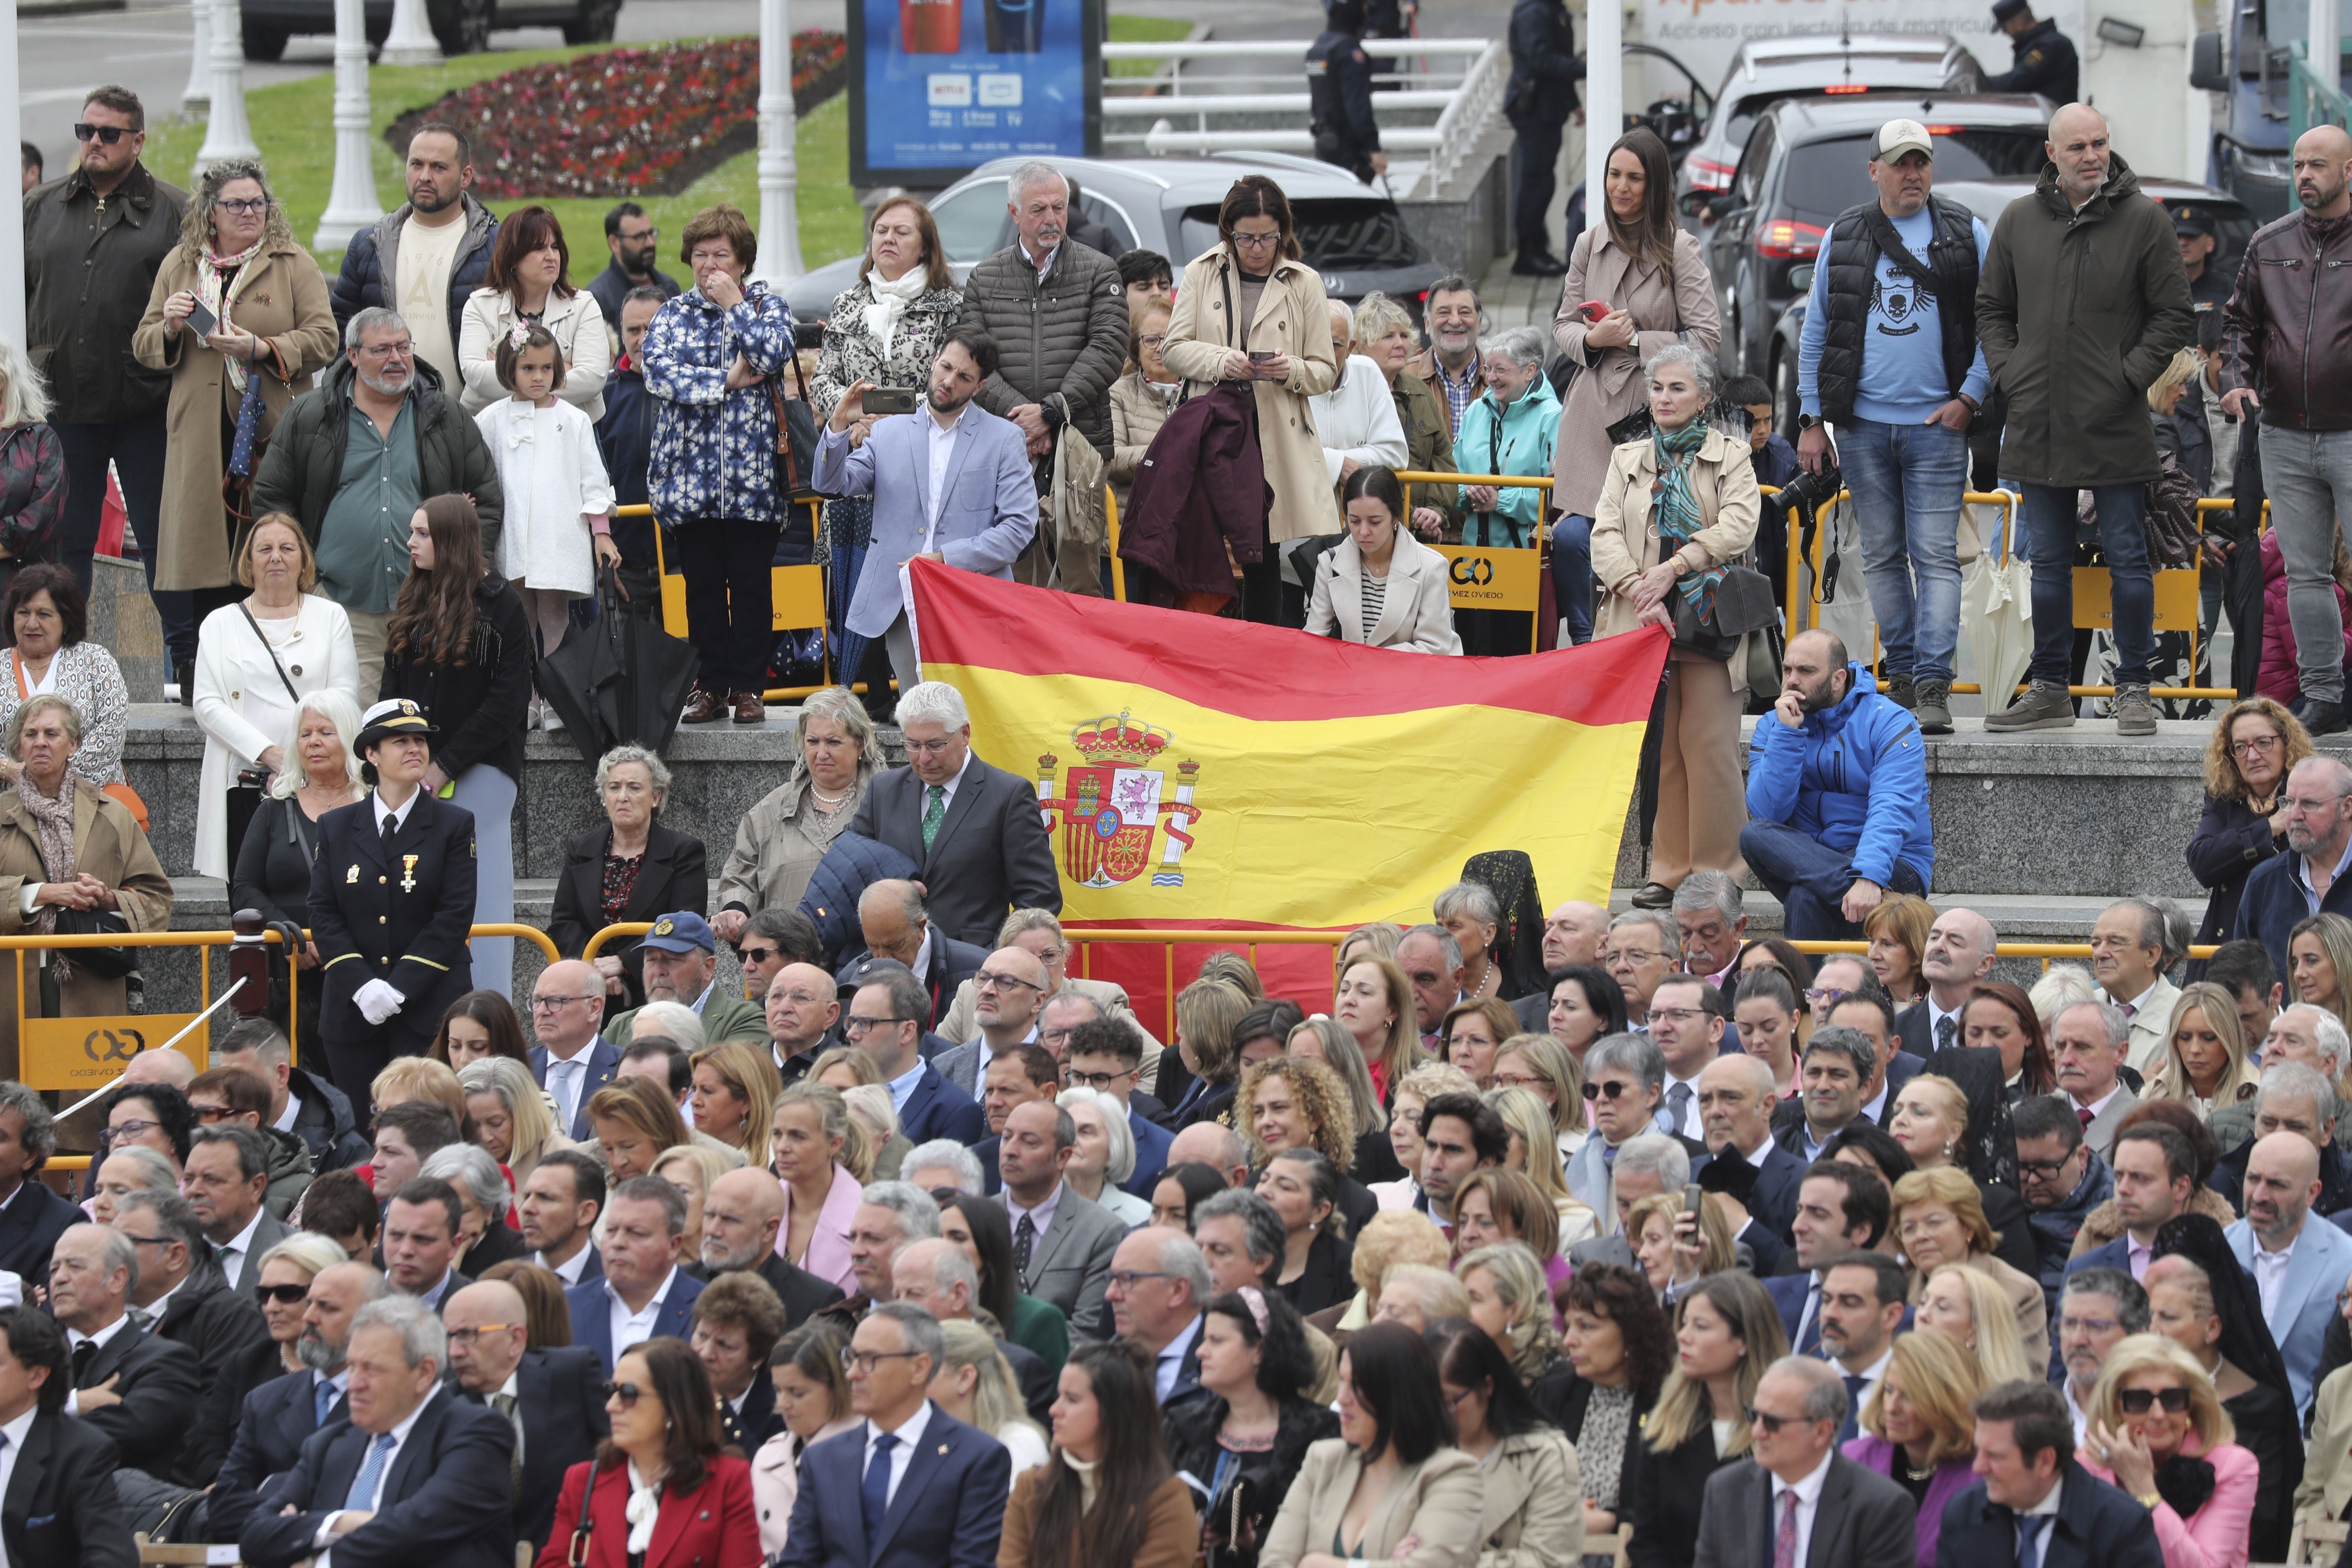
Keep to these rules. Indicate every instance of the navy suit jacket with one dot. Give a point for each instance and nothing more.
(444, 1499)
(2116, 1254)
(61, 1508)
(604, 1062)
(2097, 1527)
(30, 1226)
(278, 1418)
(1789, 1293)
(558, 1393)
(1151, 1142)
(1774, 1201)
(949, 1511)
(591, 1315)
(938, 1108)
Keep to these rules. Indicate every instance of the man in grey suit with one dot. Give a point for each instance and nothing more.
(2089, 1040)
(1799, 1503)
(1062, 1241)
(950, 483)
(227, 1180)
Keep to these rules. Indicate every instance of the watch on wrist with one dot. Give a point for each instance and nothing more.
(1808, 421)
(2152, 1501)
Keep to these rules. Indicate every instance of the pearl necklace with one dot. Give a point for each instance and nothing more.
(823, 803)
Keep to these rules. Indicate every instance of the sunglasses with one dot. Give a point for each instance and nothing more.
(284, 1295)
(1610, 1089)
(627, 1394)
(109, 134)
(2139, 1401)
(1771, 1424)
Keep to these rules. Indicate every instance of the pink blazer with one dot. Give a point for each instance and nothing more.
(828, 1247)
(2215, 1536)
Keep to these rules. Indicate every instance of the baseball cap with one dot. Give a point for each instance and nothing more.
(683, 931)
(1897, 137)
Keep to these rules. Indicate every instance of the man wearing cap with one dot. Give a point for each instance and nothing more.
(2192, 225)
(2042, 58)
(392, 898)
(1889, 356)
(2281, 357)
(682, 965)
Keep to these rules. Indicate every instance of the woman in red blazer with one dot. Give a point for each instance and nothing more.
(660, 1494)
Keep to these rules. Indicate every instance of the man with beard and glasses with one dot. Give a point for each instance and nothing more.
(1837, 795)
(425, 257)
(280, 1415)
(911, 465)
(633, 240)
(2306, 880)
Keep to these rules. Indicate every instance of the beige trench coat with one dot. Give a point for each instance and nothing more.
(1294, 318)
(280, 296)
(1625, 538)
(1665, 313)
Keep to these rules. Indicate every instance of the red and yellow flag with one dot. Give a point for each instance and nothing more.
(1206, 773)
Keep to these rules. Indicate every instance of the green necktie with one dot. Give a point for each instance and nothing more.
(935, 812)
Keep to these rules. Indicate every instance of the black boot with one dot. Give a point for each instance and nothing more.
(2322, 717)
(186, 675)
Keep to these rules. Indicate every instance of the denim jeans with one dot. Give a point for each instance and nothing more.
(1571, 573)
(2308, 474)
(1810, 879)
(2049, 516)
(1907, 481)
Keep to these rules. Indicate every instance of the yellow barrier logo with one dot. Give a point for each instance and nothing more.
(119, 1047)
(1473, 571)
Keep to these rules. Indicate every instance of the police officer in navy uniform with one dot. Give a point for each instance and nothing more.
(2192, 225)
(2041, 58)
(392, 900)
(1340, 92)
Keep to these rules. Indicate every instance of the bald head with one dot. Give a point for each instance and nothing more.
(2078, 146)
(890, 915)
(1206, 1143)
(1573, 933)
(161, 1067)
(2323, 166)
(935, 1276)
(484, 1358)
(1959, 953)
(740, 1219)
(2318, 815)
(801, 1004)
(2282, 1182)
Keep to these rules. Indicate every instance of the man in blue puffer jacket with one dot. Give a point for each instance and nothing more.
(1837, 795)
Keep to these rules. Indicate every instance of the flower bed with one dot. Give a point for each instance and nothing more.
(625, 122)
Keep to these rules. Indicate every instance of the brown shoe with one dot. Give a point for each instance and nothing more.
(749, 708)
(703, 707)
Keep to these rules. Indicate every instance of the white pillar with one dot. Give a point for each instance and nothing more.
(227, 133)
(780, 224)
(1604, 100)
(412, 43)
(351, 205)
(12, 222)
(199, 90)
(2326, 41)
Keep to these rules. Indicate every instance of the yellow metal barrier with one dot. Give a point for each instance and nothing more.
(796, 599)
(2044, 951)
(626, 927)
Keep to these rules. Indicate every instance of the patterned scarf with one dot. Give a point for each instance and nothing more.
(1675, 507)
(213, 287)
(53, 820)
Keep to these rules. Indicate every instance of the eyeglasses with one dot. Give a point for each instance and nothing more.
(641, 233)
(549, 1003)
(2088, 1325)
(1821, 993)
(1257, 241)
(757, 954)
(1634, 955)
(984, 981)
(853, 1024)
(1767, 1423)
(244, 206)
(2140, 1401)
(866, 1361)
(1516, 1080)
(209, 1114)
(1096, 1080)
(136, 1129)
(628, 1393)
(1608, 1091)
(471, 1336)
(109, 134)
(387, 351)
(1676, 1014)
(2258, 743)
(1152, 339)
(151, 1241)
(1129, 1279)
(932, 748)
(2044, 1170)
(288, 1295)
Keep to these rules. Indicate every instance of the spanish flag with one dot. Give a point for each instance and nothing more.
(1209, 774)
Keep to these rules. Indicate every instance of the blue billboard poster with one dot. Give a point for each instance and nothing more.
(938, 88)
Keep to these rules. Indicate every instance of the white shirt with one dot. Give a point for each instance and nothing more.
(1690, 1121)
(1870, 1377)
(634, 1328)
(1170, 1361)
(2082, 1418)
(939, 445)
(571, 1270)
(2269, 1274)
(399, 1434)
(285, 1123)
(76, 1338)
(398, 818)
(232, 1252)
(946, 800)
(1808, 1493)
(902, 1452)
(1935, 1017)
(2048, 1505)
(512, 1389)
(12, 1443)
(1358, 418)
(154, 1309)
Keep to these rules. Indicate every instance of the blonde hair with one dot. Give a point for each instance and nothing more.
(2000, 1351)
(2183, 368)
(2062, 985)
(526, 1107)
(860, 1065)
(1377, 316)
(1553, 1064)
(1519, 1284)
(707, 1164)
(871, 1107)
(1346, 1059)
(833, 1119)
(1717, 1251)
(1401, 1052)
(753, 1078)
(24, 397)
(2239, 1080)
(1392, 1237)
(1531, 1119)
(1956, 1190)
(1320, 1095)
(2141, 1352)
(1380, 938)
(306, 579)
(1942, 1381)
(415, 1077)
(1447, 1298)
(995, 1400)
(1513, 1198)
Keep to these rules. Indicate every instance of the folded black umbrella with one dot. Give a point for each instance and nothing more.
(583, 680)
(656, 675)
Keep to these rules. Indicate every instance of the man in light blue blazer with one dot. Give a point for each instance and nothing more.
(952, 482)
(644, 1294)
(2296, 1261)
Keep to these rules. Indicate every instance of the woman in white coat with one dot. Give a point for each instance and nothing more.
(529, 281)
(1381, 586)
(256, 660)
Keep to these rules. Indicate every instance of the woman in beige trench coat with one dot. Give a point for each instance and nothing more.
(1258, 258)
(276, 327)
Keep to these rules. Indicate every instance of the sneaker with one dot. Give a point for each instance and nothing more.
(2322, 717)
(1934, 708)
(1900, 690)
(2044, 707)
(2134, 714)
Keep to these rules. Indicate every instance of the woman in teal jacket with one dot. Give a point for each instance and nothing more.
(1508, 430)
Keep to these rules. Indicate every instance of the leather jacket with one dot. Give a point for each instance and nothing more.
(2287, 330)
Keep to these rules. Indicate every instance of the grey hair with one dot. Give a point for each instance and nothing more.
(1231, 1149)
(469, 1166)
(1520, 346)
(175, 1215)
(1119, 1163)
(155, 1173)
(1022, 922)
(1716, 890)
(374, 318)
(68, 717)
(1179, 1255)
(2155, 921)
(1851, 1044)
(675, 1022)
(653, 1190)
(841, 706)
(2111, 1018)
(1377, 316)
(951, 1268)
(918, 1330)
(116, 1252)
(1343, 316)
(1670, 939)
(1825, 1395)
(23, 395)
(422, 1337)
(620, 757)
(1757, 1070)
(1475, 900)
(881, 1112)
(1635, 1054)
(1027, 178)
(1262, 1229)
(2060, 986)
(918, 1211)
(1656, 1154)
(2298, 1080)
(935, 699)
(2335, 1042)
(2128, 1294)
(970, 1180)
(328, 703)
(39, 1135)
(1702, 366)
(1446, 943)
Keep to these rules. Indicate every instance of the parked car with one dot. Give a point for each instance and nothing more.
(460, 26)
(2233, 227)
(1807, 161)
(1767, 70)
(1355, 237)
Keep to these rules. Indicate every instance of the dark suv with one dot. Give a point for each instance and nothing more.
(1807, 161)
(459, 26)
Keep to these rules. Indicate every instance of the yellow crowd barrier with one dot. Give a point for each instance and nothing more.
(595, 944)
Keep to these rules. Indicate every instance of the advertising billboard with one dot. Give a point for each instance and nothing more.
(938, 88)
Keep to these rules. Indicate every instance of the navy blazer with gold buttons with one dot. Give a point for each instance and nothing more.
(398, 914)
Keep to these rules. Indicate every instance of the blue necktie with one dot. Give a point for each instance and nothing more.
(2029, 1537)
(875, 1492)
(322, 1397)
(363, 1485)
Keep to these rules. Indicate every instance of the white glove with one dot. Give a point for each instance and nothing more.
(378, 1001)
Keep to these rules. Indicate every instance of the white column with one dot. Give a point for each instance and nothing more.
(412, 43)
(351, 205)
(227, 133)
(199, 90)
(780, 224)
(12, 222)
(2326, 41)
(1604, 100)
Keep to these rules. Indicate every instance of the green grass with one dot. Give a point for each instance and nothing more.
(293, 124)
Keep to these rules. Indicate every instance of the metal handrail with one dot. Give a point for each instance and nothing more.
(1281, 49)
(625, 928)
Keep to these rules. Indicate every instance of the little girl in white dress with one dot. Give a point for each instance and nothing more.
(559, 501)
